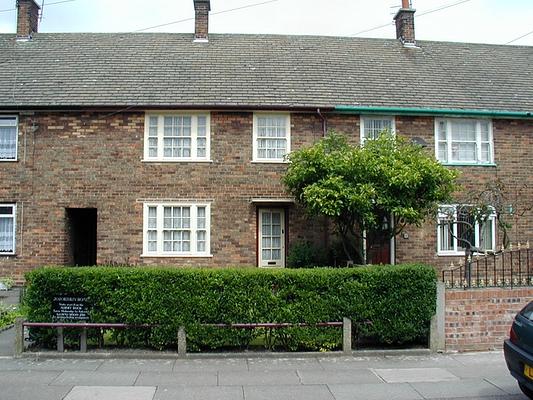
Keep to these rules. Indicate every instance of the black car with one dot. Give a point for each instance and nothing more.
(518, 350)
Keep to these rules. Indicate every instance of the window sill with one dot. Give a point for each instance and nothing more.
(458, 164)
(8, 254)
(165, 160)
(176, 255)
(269, 162)
(271, 267)
(8, 160)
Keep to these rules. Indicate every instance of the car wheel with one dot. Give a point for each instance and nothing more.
(526, 391)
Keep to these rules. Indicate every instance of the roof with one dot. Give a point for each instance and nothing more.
(260, 71)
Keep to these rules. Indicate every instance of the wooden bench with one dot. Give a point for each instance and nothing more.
(20, 324)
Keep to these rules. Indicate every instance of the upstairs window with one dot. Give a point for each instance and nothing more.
(175, 230)
(464, 141)
(8, 138)
(7, 229)
(177, 137)
(271, 137)
(372, 127)
(457, 225)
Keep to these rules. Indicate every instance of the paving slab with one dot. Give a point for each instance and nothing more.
(279, 364)
(199, 393)
(400, 375)
(337, 363)
(177, 378)
(374, 391)
(470, 371)
(440, 361)
(136, 365)
(27, 377)
(230, 378)
(89, 378)
(484, 358)
(506, 383)
(37, 392)
(332, 377)
(110, 393)
(61, 365)
(288, 392)
(229, 364)
(462, 388)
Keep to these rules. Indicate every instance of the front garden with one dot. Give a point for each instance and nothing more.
(399, 301)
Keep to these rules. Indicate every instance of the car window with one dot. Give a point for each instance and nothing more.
(527, 312)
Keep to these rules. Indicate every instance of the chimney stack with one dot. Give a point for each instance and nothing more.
(201, 20)
(27, 18)
(405, 24)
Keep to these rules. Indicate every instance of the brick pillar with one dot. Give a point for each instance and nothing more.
(201, 21)
(27, 18)
(405, 25)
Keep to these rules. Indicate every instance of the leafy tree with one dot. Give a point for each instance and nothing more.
(360, 187)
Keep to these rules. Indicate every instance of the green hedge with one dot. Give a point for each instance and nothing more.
(399, 300)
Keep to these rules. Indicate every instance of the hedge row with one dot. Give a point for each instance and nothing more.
(399, 300)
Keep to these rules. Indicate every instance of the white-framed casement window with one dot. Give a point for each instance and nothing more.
(177, 137)
(8, 137)
(8, 214)
(176, 230)
(464, 141)
(456, 224)
(271, 137)
(373, 126)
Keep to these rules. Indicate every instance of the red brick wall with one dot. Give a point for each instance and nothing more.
(93, 160)
(477, 320)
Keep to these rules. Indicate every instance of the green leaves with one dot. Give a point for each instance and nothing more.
(358, 186)
(399, 300)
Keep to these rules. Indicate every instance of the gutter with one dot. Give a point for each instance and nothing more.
(344, 109)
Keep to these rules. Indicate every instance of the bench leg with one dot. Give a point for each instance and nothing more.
(182, 342)
(19, 337)
(60, 340)
(347, 336)
(83, 340)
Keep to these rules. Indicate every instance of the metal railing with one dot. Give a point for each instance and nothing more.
(509, 267)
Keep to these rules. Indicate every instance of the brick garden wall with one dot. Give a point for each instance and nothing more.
(480, 319)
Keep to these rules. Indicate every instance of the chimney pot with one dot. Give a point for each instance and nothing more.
(27, 18)
(201, 20)
(405, 24)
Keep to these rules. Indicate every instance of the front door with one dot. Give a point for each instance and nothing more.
(271, 237)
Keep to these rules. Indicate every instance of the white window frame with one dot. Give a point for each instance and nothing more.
(160, 136)
(14, 217)
(193, 229)
(255, 139)
(16, 125)
(477, 232)
(364, 118)
(450, 160)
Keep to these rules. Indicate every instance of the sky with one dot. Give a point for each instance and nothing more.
(477, 21)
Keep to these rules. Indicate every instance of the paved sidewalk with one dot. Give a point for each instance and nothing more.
(465, 376)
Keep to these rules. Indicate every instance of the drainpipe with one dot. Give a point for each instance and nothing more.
(324, 122)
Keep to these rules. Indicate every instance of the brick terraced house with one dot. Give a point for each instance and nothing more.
(167, 149)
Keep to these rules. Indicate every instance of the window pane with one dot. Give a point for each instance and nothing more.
(485, 152)
(266, 254)
(464, 151)
(8, 142)
(466, 229)
(374, 127)
(484, 127)
(446, 237)
(152, 217)
(441, 130)
(443, 151)
(6, 235)
(464, 131)
(485, 239)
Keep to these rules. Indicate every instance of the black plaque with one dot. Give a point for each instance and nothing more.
(70, 308)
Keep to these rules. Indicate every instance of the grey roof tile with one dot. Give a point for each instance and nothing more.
(169, 70)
